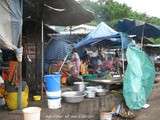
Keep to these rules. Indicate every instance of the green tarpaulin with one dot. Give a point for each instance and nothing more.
(138, 79)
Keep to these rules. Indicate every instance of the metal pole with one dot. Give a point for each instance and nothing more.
(20, 66)
(20, 87)
(142, 37)
(63, 62)
(122, 54)
(42, 58)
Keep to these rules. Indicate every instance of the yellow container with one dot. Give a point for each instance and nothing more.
(11, 99)
(36, 97)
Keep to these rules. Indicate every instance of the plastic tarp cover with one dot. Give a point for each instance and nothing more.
(138, 79)
(136, 27)
(10, 23)
(101, 32)
(57, 50)
(120, 42)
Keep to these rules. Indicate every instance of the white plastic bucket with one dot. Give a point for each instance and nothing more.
(54, 103)
(53, 94)
(106, 116)
(32, 113)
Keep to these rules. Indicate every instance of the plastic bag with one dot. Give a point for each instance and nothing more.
(138, 79)
(19, 53)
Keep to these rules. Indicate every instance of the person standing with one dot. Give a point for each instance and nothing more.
(75, 59)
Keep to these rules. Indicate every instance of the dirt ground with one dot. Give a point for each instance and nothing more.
(151, 113)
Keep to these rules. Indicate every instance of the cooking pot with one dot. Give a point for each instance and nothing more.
(79, 86)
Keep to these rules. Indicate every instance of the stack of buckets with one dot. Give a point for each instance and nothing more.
(53, 90)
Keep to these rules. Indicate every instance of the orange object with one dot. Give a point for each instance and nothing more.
(11, 73)
(83, 68)
(64, 78)
(2, 91)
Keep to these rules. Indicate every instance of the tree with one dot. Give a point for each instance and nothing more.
(110, 12)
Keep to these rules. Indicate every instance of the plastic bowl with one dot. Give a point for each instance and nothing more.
(36, 97)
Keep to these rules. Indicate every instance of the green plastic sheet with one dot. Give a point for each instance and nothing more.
(138, 79)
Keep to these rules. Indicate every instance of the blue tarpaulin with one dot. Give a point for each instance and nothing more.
(57, 50)
(138, 28)
(119, 42)
(102, 32)
(105, 35)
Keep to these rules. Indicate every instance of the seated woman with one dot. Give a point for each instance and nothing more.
(83, 67)
(11, 73)
(92, 65)
(108, 64)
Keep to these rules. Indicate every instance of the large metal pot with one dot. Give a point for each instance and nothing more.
(79, 86)
(73, 96)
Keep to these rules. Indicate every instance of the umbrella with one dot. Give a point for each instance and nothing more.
(57, 12)
(138, 28)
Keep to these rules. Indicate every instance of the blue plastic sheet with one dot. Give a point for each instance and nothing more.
(101, 32)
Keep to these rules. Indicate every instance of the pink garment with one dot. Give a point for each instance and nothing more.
(76, 64)
(108, 64)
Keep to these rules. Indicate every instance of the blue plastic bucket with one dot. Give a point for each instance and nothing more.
(52, 82)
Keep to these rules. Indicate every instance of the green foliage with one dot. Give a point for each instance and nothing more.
(155, 41)
(110, 12)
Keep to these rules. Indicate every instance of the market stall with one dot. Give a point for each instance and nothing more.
(107, 41)
(11, 34)
(11, 40)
